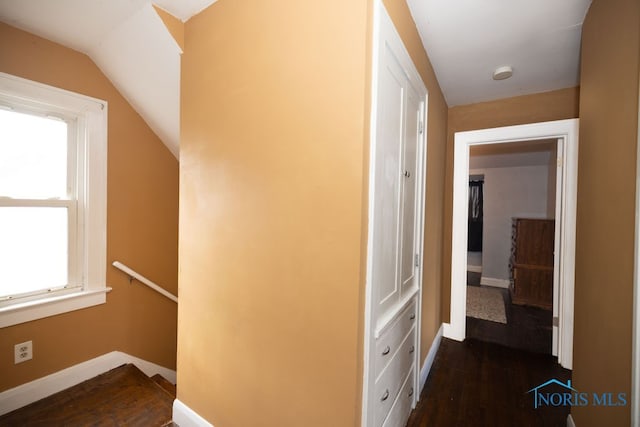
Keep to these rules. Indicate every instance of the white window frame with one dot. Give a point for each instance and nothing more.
(90, 123)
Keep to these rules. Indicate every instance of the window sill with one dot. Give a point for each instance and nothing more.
(45, 307)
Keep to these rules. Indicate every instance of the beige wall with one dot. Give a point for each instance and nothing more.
(540, 107)
(436, 149)
(141, 229)
(606, 207)
(275, 108)
(271, 172)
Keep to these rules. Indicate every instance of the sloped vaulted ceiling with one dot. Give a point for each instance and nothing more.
(127, 40)
(465, 39)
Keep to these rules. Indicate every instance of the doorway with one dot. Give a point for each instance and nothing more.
(512, 189)
(566, 133)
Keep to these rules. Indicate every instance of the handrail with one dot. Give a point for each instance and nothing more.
(139, 277)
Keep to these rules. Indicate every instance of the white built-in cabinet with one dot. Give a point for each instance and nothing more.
(395, 240)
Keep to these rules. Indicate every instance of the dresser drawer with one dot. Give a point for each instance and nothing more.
(401, 409)
(392, 377)
(391, 338)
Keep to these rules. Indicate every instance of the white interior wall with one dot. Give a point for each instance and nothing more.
(519, 191)
(474, 259)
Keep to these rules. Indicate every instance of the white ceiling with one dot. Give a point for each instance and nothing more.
(127, 40)
(184, 9)
(467, 39)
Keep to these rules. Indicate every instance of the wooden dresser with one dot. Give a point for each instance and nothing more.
(532, 262)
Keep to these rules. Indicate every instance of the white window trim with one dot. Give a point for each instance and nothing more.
(92, 114)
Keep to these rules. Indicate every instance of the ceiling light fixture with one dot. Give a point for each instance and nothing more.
(503, 72)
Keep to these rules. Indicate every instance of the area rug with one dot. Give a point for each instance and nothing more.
(485, 303)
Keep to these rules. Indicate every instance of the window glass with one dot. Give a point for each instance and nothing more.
(33, 249)
(53, 176)
(33, 156)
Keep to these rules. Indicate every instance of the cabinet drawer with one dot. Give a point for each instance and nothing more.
(391, 338)
(401, 409)
(392, 377)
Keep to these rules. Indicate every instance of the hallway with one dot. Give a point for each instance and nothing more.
(475, 383)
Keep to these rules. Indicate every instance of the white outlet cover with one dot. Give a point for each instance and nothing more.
(23, 352)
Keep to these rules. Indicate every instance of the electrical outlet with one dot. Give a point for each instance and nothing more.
(23, 352)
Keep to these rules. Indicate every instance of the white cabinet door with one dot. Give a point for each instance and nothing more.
(409, 227)
(398, 134)
(386, 215)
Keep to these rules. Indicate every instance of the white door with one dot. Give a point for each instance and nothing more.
(386, 215)
(409, 251)
(395, 228)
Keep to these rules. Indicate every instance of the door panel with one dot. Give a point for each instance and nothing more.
(409, 189)
(387, 182)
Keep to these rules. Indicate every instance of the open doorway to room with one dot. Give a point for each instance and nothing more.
(510, 244)
(565, 133)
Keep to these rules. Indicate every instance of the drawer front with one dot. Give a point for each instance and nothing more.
(390, 340)
(392, 377)
(402, 406)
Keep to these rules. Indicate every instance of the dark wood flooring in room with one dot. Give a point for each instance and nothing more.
(484, 380)
(124, 396)
(478, 384)
(527, 328)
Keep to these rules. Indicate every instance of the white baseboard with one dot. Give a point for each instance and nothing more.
(35, 390)
(497, 283)
(474, 268)
(428, 362)
(187, 417)
(570, 422)
(453, 332)
(149, 368)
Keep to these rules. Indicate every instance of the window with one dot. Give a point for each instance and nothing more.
(52, 200)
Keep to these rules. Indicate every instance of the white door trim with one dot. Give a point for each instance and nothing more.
(635, 375)
(566, 131)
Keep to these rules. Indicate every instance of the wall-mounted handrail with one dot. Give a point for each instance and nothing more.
(139, 277)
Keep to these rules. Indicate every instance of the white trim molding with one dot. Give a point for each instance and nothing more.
(45, 307)
(35, 390)
(566, 132)
(474, 268)
(635, 374)
(496, 283)
(187, 417)
(431, 356)
(87, 237)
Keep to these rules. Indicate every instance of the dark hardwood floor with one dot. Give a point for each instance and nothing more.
(124, 396)
(484, 380)
(477, 383)
(527, 328)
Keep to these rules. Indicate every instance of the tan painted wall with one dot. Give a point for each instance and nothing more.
(275, 104)
(540, 107)
(141, 229)
(606, 207)
(270, 212)
(436, 149)
(173, 24)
